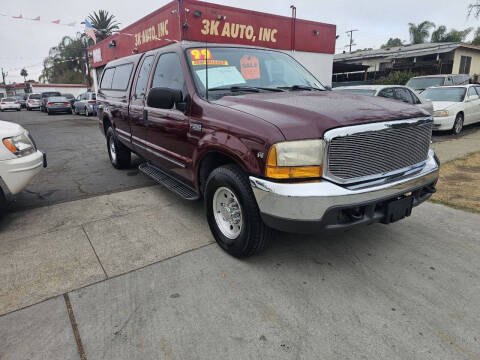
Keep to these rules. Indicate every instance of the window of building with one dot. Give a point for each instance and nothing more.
(465, 62)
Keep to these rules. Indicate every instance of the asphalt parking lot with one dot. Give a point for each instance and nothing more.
(78, 164)
(102, 258)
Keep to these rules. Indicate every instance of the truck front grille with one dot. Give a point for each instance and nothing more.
(359, 153)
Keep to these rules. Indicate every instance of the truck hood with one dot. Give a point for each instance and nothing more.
(308, 114)
(442, 105)
(8, 129)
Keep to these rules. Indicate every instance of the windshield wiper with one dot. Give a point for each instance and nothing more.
(299, 87)
(244, 88)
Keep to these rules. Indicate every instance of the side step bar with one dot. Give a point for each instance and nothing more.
(170, 182)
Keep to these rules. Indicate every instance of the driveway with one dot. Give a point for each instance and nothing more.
(78, 164)
(128, 271)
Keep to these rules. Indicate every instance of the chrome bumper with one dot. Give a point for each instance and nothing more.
(310, 202)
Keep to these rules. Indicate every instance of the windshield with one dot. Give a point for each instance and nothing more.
(455, 94)
(358, 91)
(68, 96)
(9, 99)
(35, 96)
(49, 94)
(245, 68)
(425, 82)
(58, 99)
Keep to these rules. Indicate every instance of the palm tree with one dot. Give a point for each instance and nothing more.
(104, 24)
(420, 32)
(24, 73)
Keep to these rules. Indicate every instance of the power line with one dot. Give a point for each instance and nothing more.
(351, 39)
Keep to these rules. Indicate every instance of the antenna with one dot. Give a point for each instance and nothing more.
(351, 39)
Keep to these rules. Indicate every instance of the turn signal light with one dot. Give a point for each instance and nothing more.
(289, 172)
(10, 145)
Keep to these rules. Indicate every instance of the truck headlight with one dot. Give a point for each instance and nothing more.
(295, 159)
(20, 145)
(441, 113)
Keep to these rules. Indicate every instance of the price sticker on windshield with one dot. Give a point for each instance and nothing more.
(250, 67)
(200, 54)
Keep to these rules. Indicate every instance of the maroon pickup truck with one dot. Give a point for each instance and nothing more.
(266, 146)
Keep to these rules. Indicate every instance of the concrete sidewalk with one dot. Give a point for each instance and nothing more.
(405, 291)
(48, 251)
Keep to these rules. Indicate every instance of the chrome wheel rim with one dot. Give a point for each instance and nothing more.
(227, 212)
(113, 152)
(458, 125)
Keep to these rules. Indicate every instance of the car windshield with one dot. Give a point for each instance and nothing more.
(57, 99)
(236, 71)
(358, 91)
(455, 94)
(50, 94)
(68, 96)
(35, 96)
(425, 82)
(9, 99)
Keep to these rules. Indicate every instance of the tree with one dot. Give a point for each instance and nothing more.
(392, 42)
(441, 34)
(24, 73)
(474, 9)
(67, 62)
(476, 37)
(420, 32)
(104, 24)
(396, 78)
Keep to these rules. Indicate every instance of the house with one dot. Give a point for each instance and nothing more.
(426, 58)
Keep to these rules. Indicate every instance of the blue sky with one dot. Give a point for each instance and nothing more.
(26, 43)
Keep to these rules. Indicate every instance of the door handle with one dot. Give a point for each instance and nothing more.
(145, 116)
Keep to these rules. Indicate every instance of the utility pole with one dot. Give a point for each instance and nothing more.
(4, 76)
(351, 39)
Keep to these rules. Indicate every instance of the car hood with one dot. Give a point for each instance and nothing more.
(8, 129)
(308, 114)
(442, 105)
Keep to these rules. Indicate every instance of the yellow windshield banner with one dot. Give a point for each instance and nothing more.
(209, 62)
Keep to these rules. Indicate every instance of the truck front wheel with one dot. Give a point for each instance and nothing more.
(120, 156)
(232, 212)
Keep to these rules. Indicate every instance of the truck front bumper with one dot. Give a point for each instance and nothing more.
(322, 205)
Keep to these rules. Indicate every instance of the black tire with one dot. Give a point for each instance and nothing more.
(458, 124)
(3, 203)
(19, 109)
(48, 112)
(87, 113)
(254, 234)
(123, 156)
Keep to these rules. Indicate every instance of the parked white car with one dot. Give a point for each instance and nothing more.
(395, 92)
(20, 160)
(10, 103)
(34, 101)
(454, 106)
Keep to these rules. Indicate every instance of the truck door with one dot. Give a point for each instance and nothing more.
(167, 129)
(137, 104)
(118, 99)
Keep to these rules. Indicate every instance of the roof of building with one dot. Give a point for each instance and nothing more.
(404, 51)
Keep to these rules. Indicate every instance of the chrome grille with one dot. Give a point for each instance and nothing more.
(363, 152)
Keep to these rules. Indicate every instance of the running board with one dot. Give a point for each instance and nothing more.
(169, 181)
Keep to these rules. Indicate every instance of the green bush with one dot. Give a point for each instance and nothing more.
(396, 78)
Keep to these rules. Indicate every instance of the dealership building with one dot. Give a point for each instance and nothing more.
(312, 43)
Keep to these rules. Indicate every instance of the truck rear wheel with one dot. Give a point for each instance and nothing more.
(233, 214)
(120, 156)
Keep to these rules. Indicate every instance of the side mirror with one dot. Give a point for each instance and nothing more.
(163, 98)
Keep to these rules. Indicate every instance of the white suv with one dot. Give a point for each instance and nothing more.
(20, 160)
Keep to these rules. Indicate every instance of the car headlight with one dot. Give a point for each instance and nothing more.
(295, 159)
(20, 145)
(440, 113)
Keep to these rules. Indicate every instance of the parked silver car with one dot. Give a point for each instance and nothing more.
(85, 104)
(420, 83)
(395, 92)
